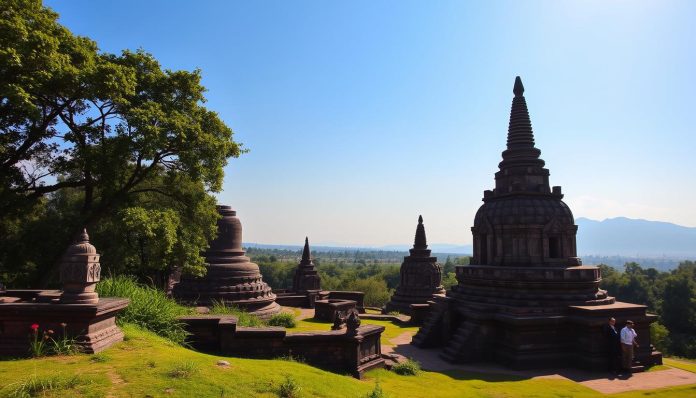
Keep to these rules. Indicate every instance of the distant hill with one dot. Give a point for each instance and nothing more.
(628, 237)
(437, 248)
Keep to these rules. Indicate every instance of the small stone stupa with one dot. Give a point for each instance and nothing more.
(231, 278)
(79, 272)
(306, 277)
(421, 276)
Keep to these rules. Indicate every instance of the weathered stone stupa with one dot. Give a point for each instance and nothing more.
(77, 312)
(306, 277)
(421, 276)
(526, 301)
(231, 276)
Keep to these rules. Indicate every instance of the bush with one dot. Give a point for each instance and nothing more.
(283, 319)
(659, 336)
(376, 392)
(289, 388)
(149, 308)
(408, 368)
(243, 318)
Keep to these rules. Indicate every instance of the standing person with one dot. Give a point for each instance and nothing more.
(613, 341)
(628, 341)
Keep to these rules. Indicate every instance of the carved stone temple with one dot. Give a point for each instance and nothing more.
(77, 310)
(420, 276)
(306, 278)
(526, 300)
(231, 276)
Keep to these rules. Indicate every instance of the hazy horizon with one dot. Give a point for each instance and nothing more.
(360, 116)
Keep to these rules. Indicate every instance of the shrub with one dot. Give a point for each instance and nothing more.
(243, 318)
(659, 336)
(149, 308)
(408, 368)
(376, 392)
(283, 319)
(183, 370)
(289, 388)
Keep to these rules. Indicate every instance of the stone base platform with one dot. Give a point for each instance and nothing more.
(93, 326)
(534, 341)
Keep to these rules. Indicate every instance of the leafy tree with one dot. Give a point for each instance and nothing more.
(88, 137)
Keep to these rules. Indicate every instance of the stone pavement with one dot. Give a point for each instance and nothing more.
(598, 381)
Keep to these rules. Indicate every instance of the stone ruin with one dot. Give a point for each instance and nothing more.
(420, 277)
(77, 311)
(349, 348)
(231, 277)
(526, 300)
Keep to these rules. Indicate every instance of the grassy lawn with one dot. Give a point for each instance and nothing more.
(146, 365)
(684, 364)
(391, 330)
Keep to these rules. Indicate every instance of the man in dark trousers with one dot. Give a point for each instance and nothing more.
(613, 341)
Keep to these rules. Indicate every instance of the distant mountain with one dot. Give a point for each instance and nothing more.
(628, 237)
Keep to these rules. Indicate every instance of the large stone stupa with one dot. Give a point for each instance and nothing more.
(420, 276)
(526, 300)
(231, 278)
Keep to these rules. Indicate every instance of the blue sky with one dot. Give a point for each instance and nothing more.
(361, 115)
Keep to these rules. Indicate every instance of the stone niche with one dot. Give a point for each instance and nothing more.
(526, 300)
(77, 310)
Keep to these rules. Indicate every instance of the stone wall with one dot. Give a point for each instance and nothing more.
(338, 351)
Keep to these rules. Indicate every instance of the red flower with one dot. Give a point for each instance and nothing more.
(35, 327)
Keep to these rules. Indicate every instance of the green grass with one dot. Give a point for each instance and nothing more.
(243, 318)
(149, 308)
(183, 370)
(684, 364)
(143, 364)
(39, 386)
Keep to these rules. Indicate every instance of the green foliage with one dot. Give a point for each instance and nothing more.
(672, 295)
(110, 141)
(243, 318)
(376, 392)
(149, 308)
(283, 319)
(183, 370)
(408, 368)
(36, 386)
(659, 336)
(289, 388)
(376, 292)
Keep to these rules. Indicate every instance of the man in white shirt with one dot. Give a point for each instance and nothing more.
(628, 341)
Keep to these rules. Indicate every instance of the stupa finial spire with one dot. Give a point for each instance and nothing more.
(419, 241)
(518, 90)
(306, 257)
